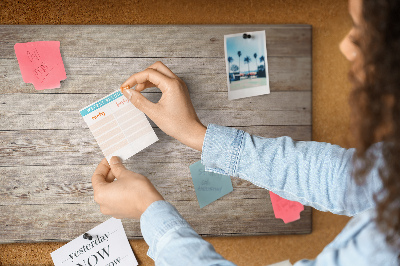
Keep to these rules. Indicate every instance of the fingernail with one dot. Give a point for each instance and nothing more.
(115, 160)
(129, 92)
(124, 88)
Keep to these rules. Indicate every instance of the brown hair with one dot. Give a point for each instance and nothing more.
(375, 103)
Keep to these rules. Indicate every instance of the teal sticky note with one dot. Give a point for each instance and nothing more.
(209, 186)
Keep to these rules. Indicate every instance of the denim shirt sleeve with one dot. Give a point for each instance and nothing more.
(312, 173)
(172, 241)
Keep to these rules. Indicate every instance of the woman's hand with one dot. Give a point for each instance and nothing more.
(174, 113)
(128, 196)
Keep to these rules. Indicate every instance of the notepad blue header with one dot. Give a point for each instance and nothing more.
(100, 103)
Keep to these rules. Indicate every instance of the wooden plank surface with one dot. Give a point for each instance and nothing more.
(48, 154)
(87, 74)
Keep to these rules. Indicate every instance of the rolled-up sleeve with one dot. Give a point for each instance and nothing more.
(313, 173)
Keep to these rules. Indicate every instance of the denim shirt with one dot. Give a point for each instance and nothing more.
(312, 173)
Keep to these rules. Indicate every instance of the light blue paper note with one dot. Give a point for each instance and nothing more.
(209, 186)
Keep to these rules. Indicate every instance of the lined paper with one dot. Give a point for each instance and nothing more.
(119, 128)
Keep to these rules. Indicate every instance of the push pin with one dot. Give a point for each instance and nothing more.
(87, 236)
(125, 88)
(246, 36)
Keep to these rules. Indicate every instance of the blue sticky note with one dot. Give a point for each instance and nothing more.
(209, 186)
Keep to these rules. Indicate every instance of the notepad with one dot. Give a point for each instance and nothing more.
(209, 186)
(119, 128)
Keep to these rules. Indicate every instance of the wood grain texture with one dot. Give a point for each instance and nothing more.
(49, 154)
(88, 74)
(59, 111)
(155, 41)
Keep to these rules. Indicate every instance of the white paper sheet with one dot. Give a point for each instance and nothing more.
(109, 246)
(246, 65)
(118, 126)
(282, 263)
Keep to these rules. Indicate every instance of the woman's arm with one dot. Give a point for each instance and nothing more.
(170, 238)
(172, 241)
(312, 173)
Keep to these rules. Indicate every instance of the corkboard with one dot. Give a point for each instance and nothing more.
(330, 23)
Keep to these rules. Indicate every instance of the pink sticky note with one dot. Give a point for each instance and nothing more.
(41, 63)
(284, 209)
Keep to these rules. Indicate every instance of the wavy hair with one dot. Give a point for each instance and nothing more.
(375, 104)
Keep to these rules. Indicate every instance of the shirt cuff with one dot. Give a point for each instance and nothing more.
(222, 148)
(158, 219)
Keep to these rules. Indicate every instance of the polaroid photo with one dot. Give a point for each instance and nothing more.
(246, 64)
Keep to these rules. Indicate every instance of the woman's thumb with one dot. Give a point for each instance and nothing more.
(116, 166)
(139, 101)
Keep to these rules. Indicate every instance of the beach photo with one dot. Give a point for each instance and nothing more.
(246, 64)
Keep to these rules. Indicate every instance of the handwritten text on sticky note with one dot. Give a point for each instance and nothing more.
(209, 186)
(41, 63)
(284, 209)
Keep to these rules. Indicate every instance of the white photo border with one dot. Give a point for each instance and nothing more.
(247, 92)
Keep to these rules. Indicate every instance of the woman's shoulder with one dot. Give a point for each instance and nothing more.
(364, 239)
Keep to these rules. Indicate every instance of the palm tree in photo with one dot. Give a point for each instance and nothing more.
(262, 59)
(262, 73)
(234, 68)
(255, 57)
(247, 60)
(239, 54)
(230, 60)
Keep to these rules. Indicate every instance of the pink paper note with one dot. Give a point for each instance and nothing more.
(41, 63)
(284, 209)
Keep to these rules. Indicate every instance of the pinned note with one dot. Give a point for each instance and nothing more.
(108, 246)
(284, 209)
(209, 186)
(118, 126)
(41, 63)
(282, 263)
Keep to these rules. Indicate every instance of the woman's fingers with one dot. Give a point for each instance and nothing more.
(158, 79)
(100, 174)
(174, 113)
(110, 177)
(160, 67)
(142, 86)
